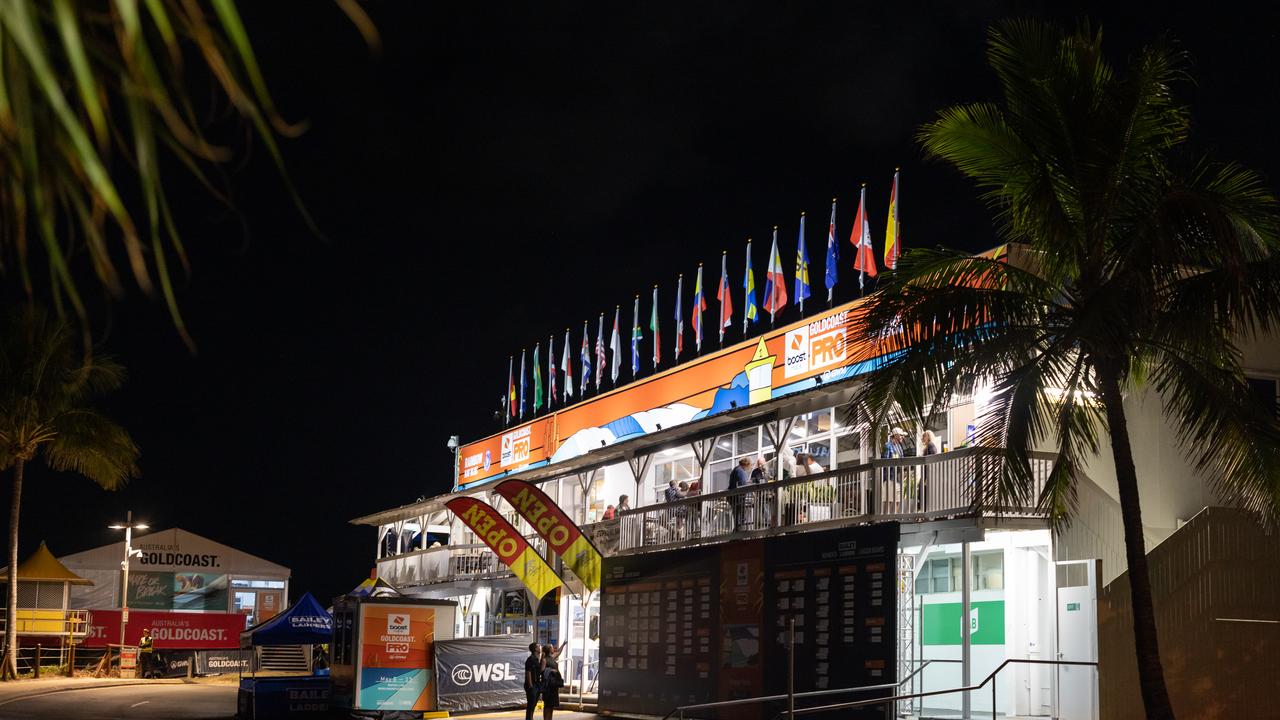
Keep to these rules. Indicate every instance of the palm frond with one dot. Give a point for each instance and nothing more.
(93, 446)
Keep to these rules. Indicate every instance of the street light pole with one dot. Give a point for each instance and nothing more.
(128, 527)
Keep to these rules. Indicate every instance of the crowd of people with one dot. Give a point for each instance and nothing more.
(757, 471)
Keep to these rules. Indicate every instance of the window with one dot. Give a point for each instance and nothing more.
(1267, 393)
(988, 570)
(942, 574)
(848, 450)
(681, 470)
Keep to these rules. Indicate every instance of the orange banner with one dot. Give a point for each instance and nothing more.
(778, 363)
(562, 535)
(505, 541)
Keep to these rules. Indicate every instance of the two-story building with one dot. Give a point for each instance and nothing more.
(899, 551)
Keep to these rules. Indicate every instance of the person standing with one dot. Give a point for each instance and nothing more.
(764, 501)
(739, 477)
(532, 679)
(552, 680)
(930, 448)
(146, 652)
(624, 502)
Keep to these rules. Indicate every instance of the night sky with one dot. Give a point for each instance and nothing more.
(501, 172)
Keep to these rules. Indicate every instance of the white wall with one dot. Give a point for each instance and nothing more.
(1028, 630)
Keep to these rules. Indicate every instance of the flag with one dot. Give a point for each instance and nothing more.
(699, 305)
(775, 283)
(537, 380)
(615, 346)
(679, 317)
(802, 268)
(566, 366)
(600, 352)
(723, 295)
(522, 384)
(864, 257)
(586, 360)
(892, 232)
(551, 370)
(511, 386)
(833, 252)
(653, 327)
(636, 336)
(749, 312)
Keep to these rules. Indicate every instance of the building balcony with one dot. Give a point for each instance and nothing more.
(952, 485)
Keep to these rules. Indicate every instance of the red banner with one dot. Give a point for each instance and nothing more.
(562, 535)
(506, 542)
(169, 630)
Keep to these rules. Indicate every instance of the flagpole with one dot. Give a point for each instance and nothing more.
(835, 242)
(799, 245)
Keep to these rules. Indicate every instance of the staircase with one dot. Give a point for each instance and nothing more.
(285, 658)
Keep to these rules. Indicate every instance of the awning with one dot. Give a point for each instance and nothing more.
(306, 622)
(42, 566)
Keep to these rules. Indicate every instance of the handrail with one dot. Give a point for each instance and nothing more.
(800, 695)
(969, 688)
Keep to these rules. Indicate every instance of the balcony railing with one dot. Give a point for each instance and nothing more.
(919, 488)
(54, 622)
(952, 484)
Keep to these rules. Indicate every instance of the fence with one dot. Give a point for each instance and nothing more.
(1217, 606)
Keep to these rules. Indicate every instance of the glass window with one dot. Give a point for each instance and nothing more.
(988, 570)
(719, 474)
(723, 448)
(1264, 389)
(748, 441)
(848, 450)
(821, 452)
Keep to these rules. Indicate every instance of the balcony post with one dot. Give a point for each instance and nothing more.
(966, 646)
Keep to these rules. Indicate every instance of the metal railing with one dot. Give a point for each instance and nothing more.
(470, 561)
(917, 488)
(721, 704)
(937, 486)
(990, 678)
(51, 622)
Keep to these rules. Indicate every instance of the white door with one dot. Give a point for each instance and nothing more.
(1077, 639)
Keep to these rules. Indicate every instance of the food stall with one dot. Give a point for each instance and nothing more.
(289, 683)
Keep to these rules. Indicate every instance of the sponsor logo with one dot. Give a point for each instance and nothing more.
(463, 675)
(818, 345)
(488, 459)
(397, 624)
(515, 447)
(400, 648)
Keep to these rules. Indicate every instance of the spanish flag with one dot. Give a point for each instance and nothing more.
(893, 233)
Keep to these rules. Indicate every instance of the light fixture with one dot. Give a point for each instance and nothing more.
(733, 403)
(601, 442)
(659, 425)
(453, 443)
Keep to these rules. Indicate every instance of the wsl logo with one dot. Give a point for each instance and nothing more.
(464, 675)
(397, 624)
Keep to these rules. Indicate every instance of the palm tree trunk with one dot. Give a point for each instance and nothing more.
(1155, 695)
(10, 669)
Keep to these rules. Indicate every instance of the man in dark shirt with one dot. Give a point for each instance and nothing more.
(740, 477)
(532, 678)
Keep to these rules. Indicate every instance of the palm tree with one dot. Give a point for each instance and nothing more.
(47, 389)
(1132, 265)
(95, 100)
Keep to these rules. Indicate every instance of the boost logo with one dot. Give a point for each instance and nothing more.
(397, 624)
